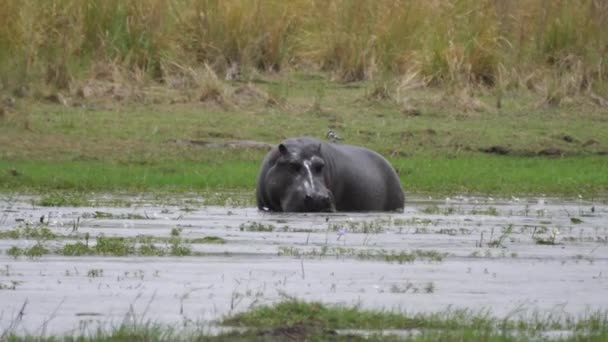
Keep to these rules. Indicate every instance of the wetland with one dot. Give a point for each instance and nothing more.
(178, 262)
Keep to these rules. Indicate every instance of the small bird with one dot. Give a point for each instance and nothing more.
(333, 136)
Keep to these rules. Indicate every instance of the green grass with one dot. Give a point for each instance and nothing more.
(132, 146)
(460, 324)
(583, 175)
(97, 175)
(294, 319)
(468, 173)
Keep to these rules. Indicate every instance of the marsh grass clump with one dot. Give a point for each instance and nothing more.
(36, 251)
(144, 245)
(363, 254)
(177, 249)
(150, 249)
(549, 238)
(576, 220)
(15, 252)
(499, 242)
(376, 226)
(403, 257)
(95, 273)
(257, 227)
(128, 216)
(118, 246)
(491, 211)
(294, 319)
(36, 232)
(12, 285)
(208, 239)
(76, 249)
(10, 234)
(71, 199)
(448, 325)
(102, 215)
(121, 246)
(146, 331)
(436, 210)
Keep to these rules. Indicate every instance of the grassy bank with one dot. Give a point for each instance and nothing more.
(440, 142)
(463, 96)
(587, 176)
(296, 320)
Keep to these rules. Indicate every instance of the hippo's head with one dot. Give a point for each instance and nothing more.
(296, 181)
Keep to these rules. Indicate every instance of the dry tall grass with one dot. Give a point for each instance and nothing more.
(552, 46)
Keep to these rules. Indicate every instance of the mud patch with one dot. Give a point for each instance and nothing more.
(551, 152)
(496, 149)
(235, 144)
(591, 142)
(567, 138)
(249, 95)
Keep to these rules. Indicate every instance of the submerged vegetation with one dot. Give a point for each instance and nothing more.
(107, 246)
(76, 244)
(399, 257)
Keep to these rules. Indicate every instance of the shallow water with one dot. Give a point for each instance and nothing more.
(492, 261)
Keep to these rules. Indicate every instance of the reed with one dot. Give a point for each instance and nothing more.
(531, 44)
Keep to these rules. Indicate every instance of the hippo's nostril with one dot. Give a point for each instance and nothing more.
(317, 202)
(326, 202)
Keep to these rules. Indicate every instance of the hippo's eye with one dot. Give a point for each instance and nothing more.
(318, 167)
(295, 166)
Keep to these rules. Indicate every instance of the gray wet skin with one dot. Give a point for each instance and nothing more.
(309, 175)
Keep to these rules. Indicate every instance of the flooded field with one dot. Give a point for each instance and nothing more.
(67, 270)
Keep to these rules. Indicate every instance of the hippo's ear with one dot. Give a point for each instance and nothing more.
(283, 149)
(319, 149)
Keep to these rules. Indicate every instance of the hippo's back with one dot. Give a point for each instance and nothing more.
(363, 180)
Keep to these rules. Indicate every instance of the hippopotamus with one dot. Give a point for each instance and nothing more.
(309, 175)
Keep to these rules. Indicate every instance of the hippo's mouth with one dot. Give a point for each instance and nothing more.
(314, 203)
(320, 205)
(316, 209)
(331, 209)
(310, 208)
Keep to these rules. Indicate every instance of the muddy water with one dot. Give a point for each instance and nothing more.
(513, 256)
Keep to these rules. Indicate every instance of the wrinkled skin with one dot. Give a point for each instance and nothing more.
(309, 175)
